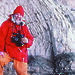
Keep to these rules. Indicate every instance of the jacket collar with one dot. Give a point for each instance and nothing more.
(12, 19)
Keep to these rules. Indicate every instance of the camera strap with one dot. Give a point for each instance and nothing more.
(19, 28)
(16, 28)
(15, 25)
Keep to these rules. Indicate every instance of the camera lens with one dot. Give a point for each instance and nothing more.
(16, 39)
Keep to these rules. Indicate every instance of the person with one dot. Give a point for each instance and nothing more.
(15, 38)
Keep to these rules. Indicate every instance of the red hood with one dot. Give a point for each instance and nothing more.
(19, 9)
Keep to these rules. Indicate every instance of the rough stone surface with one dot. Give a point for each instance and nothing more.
(70, 3)
(51, 24)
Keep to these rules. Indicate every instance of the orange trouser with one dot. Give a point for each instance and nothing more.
(21, 67)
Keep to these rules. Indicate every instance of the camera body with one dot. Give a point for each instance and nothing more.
(16, 38)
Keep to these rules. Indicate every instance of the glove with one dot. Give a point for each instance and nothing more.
(24, 40)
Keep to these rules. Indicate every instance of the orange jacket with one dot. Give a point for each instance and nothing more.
(6, 31)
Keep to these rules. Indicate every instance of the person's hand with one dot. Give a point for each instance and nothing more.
(2, 54)
(24, 40)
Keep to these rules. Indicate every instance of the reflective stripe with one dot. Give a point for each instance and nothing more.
(19, 49)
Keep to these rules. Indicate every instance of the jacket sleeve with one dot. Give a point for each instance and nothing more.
(29, 37)
(3, 33)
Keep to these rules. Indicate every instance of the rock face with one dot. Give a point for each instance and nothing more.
(70, 3)
(51, 24)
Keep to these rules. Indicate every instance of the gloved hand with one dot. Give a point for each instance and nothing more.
(24, 40)
(1, 53)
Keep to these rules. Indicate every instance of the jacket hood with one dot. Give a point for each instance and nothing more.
(19, 9)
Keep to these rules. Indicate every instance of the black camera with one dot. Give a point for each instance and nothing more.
(16, 38)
